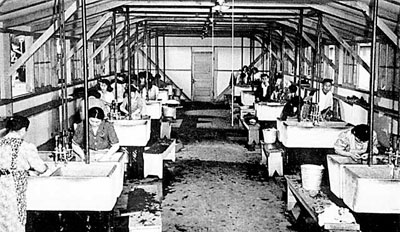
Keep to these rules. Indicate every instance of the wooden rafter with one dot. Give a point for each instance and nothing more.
(91, 32)
(382, 25)
(345, 45)
(41, 40)
(268, 49)
(164, 74)
(291, 44)
(105, 43)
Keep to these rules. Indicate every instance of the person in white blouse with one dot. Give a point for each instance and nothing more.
(105, 90)
(153, 90)
(325, 103)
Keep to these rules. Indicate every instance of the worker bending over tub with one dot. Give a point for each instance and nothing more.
(103, 140)
(354, 143)
(137, 104)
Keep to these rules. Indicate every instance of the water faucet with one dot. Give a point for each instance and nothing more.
(61, 152)
(394, 163)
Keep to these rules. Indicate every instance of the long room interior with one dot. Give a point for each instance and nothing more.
(215, 115)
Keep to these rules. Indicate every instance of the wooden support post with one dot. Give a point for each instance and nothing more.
(29, 66)
(90, 64)
(5, 87)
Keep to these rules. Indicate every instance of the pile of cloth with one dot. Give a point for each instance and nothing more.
(335, 214)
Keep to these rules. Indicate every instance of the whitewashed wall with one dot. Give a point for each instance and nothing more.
(178, 57)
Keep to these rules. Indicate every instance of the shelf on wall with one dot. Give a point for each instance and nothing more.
(386, 111)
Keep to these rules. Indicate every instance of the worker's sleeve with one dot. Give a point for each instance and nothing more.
(78, 135)
(32, 157)
(342, 142)
(330, 101)
(375, 143)
(112, 135)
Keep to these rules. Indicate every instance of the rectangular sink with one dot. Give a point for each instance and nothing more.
(83, 171)
(371, 189)
(335, 171)
(75, 187)
(268, 111)
(133, 132)
(119, 158)
(153, 109)
(294, 134)
(317, 124)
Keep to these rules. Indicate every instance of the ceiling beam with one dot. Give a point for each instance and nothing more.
(41, 40)
(105, 43)
(345, 45)
(382, 25)
(90, 33)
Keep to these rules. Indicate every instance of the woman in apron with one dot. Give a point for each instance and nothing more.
(16, 158)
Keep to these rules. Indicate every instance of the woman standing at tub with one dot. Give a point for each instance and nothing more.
(354, 142)
(137, 103)
(102, 135)
(16, 158)
(105, 90)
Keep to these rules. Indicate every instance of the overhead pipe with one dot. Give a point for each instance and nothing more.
(149, 51)
(157, 56)
(114, 51)
(241, 52)
(164, 57)
(127, 27)
(147, 44)
(136, 53)
(283, 52)
(64, 70)
(299, 49)
(61, 55)
(133, 54)
(85, 81)
(271, 74)
(232, 61)
(374, 62)
(319, 52)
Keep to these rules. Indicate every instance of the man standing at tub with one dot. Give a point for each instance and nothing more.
(326, 99)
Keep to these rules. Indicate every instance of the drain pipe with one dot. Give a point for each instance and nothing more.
(85, 81)
(372, 84)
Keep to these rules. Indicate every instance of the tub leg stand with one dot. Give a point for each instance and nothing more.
(88, 227)
(140, 162)
(61, 223)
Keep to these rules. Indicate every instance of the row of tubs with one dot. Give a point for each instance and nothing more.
(363, 188)
(76, 186)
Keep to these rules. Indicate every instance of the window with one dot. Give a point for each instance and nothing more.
(17, 44)
(387, 68)
(350, 70)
